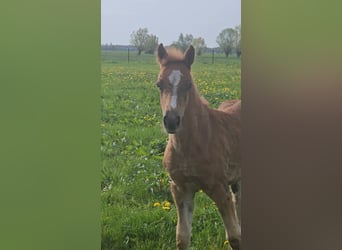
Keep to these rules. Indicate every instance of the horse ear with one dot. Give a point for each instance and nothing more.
(189, 56)
(161, 53)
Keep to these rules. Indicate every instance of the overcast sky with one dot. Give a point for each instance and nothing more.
(167, 19)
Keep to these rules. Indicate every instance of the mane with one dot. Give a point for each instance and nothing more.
(198, 95)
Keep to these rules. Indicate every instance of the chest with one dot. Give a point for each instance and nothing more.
(195, 167)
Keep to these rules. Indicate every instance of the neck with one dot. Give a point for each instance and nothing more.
(194, 123)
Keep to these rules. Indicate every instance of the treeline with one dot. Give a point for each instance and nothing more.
(228, 40)
(116, 47)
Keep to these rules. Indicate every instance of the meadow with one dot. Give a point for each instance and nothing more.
(137, 210)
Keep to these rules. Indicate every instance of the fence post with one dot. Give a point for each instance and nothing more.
(128, 54)
(212, 56)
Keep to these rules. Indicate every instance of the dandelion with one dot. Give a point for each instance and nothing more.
(166, 208)
(226, 242)
(156, 204)
(166, 205)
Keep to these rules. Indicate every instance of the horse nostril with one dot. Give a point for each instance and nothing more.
(178, 120)
(171, 122)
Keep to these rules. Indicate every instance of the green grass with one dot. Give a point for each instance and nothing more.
(132, 146)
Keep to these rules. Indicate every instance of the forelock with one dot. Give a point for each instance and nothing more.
(173, 56)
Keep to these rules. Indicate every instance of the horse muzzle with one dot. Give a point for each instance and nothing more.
(171, 122)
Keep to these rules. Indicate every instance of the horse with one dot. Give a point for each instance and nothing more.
(203, 149)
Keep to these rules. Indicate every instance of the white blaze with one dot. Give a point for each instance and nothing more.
(174, 79)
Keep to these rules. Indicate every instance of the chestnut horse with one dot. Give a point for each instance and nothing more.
(203, 150)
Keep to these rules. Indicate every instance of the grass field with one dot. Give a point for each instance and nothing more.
(137, 210)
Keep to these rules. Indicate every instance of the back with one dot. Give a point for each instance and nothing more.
(231, 106)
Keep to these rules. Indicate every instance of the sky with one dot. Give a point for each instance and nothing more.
(167, 19)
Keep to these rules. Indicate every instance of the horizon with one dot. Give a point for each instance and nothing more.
(132, 46)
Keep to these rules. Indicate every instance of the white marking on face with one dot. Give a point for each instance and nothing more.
(174, 79)
(173, 101)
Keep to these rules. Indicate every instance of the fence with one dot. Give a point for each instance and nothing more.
(131, 56)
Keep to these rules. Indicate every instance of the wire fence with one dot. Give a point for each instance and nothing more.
(131, 56)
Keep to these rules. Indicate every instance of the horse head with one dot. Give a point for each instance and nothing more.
(174, 83)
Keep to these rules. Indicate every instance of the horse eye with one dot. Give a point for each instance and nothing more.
(188, 86)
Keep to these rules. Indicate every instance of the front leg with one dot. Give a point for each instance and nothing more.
(224, 200)
(236, 188)
(184, 200)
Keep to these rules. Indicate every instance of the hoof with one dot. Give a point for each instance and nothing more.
(235, 244)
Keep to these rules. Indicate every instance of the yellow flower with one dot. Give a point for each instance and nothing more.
(166, 205)
(156, 204)
(166, 208)
(226, 242)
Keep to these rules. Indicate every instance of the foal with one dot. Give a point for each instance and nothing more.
(203, 150)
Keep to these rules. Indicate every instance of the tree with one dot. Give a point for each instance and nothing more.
(151, 44)
(199, 45)
(227, 40)
(238, 41)
(183, 42)
(139, 38)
